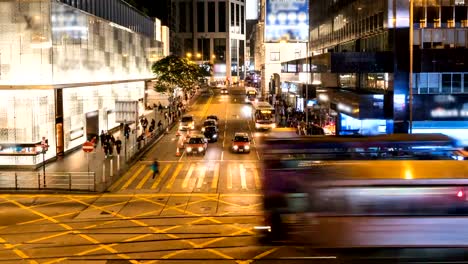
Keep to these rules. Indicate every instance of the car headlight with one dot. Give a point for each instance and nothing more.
(203, 129)
(246, 100)
(200, 149)
(257, 126)
(273, 125)
(235, 147)
(189, 149)
(247, 147)
(215, 136)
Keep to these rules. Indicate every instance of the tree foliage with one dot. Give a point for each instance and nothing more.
(173, 71)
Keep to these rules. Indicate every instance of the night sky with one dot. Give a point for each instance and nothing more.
(153, 8)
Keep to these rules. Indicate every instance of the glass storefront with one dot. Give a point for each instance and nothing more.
(59, 47)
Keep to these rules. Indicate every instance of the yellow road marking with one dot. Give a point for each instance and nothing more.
(258, 184)
(219, 253)
(67, 227)
(143, 181)
(55, 261)
(205, 109)
(201, 176)
(18, 252)
(242, 175)
(119, 181)
(47, 237)
(188, 175)
(160, 176)
(174, 175)
(229, 178)
(214, 184)
(259, 256)
(127, 183)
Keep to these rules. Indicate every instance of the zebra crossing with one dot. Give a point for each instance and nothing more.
(192, 176)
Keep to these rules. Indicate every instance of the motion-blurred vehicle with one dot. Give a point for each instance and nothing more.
(240, 143)
(263, 116)
(209, 122)
(196, 144)
(186, 122)
(212, 117)
(224, 91)
(211, 133)
(358, 191)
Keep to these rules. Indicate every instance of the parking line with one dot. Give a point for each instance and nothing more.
(142, 167)
(242, 175)
(188, 175)
(258, 184)
(145, 179)
(229, 178)
(201, 176)
(160, 176)
(214, 184)
(174, 175)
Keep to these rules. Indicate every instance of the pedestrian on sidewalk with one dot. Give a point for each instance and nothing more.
(155, 167)
(106, 148)
(159, 125)
(103, 138)
(118, 145)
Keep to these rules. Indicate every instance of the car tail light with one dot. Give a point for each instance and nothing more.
(460, 194)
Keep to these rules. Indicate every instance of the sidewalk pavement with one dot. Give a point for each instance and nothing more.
(108, 169)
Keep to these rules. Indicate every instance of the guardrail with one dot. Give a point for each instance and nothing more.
(71, 181)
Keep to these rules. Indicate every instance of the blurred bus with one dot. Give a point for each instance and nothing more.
(263, 115)
(338, 194)
(251, 95)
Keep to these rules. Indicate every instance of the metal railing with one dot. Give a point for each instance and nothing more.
(70, 181)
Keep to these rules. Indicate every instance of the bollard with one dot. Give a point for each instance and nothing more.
(103, 179)
(118, 162)
(111, 168)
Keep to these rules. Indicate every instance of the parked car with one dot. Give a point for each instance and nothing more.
(240, 143)
(212, 117)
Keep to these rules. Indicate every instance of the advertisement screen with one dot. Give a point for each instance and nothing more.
(287, 20)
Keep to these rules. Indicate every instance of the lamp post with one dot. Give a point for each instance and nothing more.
(411, 66)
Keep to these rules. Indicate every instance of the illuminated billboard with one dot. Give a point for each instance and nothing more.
(287, 20)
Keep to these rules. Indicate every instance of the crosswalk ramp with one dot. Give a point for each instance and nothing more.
(197, 176)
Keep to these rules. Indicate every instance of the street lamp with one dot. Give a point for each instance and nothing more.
(189, 55)
(198, 55)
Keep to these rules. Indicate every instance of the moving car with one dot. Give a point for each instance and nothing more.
(209, 122)
(211, 133)
(241, 143)
(224, 91)
(196, 144)
(186, 122)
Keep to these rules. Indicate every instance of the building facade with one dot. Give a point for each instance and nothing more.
(212, 31)
(361, 55)
(64, 64)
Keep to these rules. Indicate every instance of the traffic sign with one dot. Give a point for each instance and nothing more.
(88, 147)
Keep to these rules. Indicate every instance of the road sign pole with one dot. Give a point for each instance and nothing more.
(87, 159)
(43, 167)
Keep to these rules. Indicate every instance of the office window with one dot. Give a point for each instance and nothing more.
(232, 14)
(203, 49)
(465, 83)
(456, 83)
(219, 49)
(188, 47)
(242, 19)
(222, 16)
(433, 83)
(446, 83)
(237, 15)
(274, 56)
(183, 17)
(201, 17)
(211, 17)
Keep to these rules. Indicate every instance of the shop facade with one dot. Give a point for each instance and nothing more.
(62, 72)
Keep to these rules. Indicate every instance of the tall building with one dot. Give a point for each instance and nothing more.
(212, 31)
(64, 64)
(362, 58)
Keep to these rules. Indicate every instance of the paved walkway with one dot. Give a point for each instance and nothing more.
(105, 168)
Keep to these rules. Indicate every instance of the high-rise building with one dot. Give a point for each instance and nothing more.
(64, 64)
(212, 31)
(362, 58)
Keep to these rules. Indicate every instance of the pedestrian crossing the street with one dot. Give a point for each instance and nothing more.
(197, 176)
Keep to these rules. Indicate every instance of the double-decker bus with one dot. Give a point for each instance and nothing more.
(251, 95)
(382, 191)
(263, 115)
